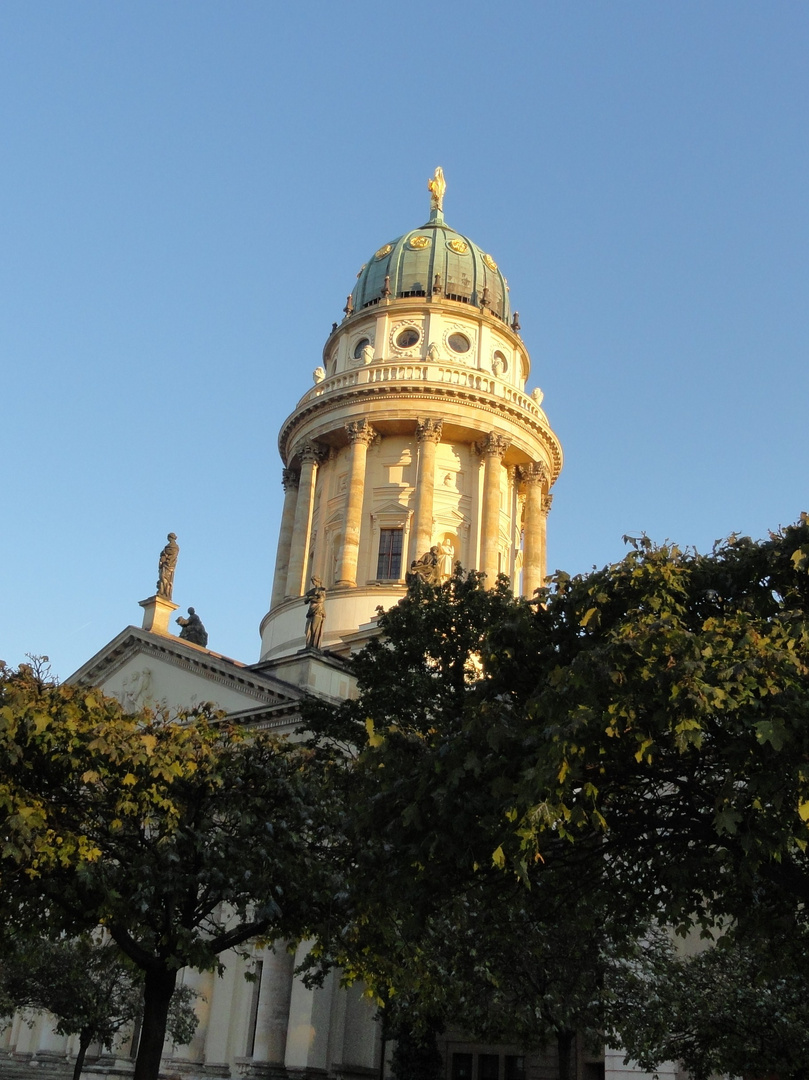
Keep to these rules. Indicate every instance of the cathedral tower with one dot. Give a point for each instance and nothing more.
(418, 434)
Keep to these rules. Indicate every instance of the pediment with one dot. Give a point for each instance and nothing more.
(144, 669)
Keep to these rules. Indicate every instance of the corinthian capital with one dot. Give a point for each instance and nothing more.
(534, 473)
(429, 430)
(360, 431)
(290, 478)
(546, 504)
(312, 451)
(494, 445)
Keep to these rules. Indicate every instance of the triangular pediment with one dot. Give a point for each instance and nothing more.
(146, 669)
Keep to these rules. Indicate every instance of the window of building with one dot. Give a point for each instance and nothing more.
(488, 1067)
(515, 1067)
(458, 343)
(461, 1067)
(360, 346)
(408, 338)
(389, 563)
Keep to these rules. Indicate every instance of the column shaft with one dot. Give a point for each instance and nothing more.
(533, 573)
(494, 447)
(299, 545)
(273, 1006)
(546, 508)
(428, 434)
(279, 584)
(361, 435)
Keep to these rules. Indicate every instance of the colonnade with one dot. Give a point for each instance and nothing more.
(269, 1027)
(299, 499)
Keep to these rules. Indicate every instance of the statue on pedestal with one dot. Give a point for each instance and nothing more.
(315, 614)
(428, 567)
(192, 629)
(167, 566)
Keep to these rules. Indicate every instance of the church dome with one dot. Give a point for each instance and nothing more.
(433, 260)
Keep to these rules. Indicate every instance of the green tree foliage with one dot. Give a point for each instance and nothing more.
(182, 838)
(738, 1008)
(433, 924)
(87, 986)
(632, 748)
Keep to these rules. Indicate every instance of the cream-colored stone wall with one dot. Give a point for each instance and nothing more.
(410, 435)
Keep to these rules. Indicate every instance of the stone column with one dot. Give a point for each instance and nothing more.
(361, 435)
(533, 562)
(272, 1018)
(546, 509)
(289, 479)
(493, 448)
(428, 435)
(299, 544)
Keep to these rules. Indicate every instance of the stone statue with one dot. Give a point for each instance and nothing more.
(428, 567)
(368, 354)
(316, 613)
(192, 629)
(437, 185)
(319, 374)
(167, 566)
(537, 395)
(432, 353)
(447, 564)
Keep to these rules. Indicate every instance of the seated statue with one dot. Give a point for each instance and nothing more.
(428, 567)
(192, 629)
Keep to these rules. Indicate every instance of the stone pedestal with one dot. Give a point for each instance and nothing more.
(157, 612)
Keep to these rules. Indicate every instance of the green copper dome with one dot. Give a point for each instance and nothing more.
(433, 260)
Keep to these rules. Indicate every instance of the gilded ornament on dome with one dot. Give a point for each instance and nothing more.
(458, 246)
(383, 251)
(492, 265)
(361, 269)
(419, 242)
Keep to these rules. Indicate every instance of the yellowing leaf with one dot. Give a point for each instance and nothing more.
(499, 858)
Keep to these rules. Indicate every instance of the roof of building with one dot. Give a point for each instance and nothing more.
(433, 260)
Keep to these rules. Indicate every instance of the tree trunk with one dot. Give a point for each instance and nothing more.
(566, 1050)
(85, 1038)
(157, 990)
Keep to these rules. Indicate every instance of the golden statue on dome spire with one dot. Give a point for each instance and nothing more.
(437, 185)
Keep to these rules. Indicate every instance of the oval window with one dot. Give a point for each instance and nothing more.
(360, 346)
(408, 338)
(458, 343)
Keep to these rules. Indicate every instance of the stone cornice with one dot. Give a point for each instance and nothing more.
(483, 402)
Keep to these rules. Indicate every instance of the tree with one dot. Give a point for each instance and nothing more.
(183, 837)
(431, 922)
(87, 986)
(642, 731)
(665, 701)
(738, 1008)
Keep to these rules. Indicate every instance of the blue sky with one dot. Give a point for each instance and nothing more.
(188, 188)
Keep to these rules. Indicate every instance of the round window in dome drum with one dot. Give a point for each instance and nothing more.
(360, 346)
(458, 343)
(407, 338)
